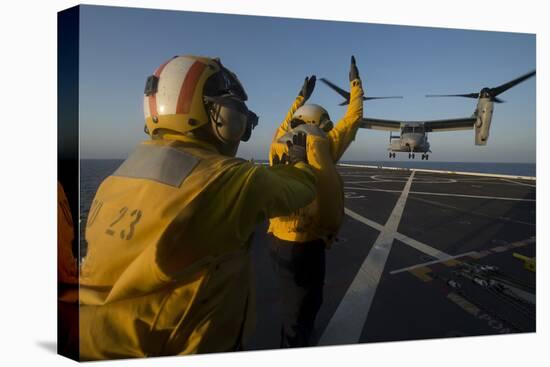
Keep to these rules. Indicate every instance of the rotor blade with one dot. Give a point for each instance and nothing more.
(347, 95)
(391, 97)
(467, 95)
(337, 89)
(497, 100)
(504, 87)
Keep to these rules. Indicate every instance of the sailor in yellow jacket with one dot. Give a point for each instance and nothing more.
(300, 239)
(168, 266)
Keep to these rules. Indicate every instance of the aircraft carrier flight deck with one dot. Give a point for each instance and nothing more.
(421, 254)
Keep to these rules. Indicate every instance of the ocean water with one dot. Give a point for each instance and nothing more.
(94, 171)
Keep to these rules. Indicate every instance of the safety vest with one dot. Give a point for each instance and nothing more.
(322, 218)
(146, 287)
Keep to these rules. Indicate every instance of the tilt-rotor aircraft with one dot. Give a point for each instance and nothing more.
(413, 136)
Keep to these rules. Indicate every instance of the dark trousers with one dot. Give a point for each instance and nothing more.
(300, 268)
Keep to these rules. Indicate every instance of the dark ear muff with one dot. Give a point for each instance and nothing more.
(230, 118)
(251, 123)
(229, 125)
(327, 126)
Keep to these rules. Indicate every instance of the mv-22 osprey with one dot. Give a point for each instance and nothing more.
(413, 136)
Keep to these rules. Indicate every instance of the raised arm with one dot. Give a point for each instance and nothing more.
(303, 96)
(344, 132)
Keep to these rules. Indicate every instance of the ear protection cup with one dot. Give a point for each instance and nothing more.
(230, 118)
(228, 125)
(326, 125)
(251, 122)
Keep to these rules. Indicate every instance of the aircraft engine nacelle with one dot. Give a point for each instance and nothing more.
(484, 114)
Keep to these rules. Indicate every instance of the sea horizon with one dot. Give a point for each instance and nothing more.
(504, 168)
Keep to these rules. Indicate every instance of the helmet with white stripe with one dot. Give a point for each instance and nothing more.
(188, 92)
(312, 114)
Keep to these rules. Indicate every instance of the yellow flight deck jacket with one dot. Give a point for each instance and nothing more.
(167, 270)
(322, 218)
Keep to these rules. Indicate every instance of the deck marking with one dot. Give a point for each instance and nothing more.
(460, 173)
(518, 183)
(445, 206)
(422, 247)
(348, 320)
(444, 194)
(412, 267)
(422, 273)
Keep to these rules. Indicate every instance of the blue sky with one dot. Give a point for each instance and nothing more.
(120, 47)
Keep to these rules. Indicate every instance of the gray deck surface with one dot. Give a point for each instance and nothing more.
(384, 292)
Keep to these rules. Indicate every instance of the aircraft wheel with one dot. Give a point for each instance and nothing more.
(413, 155)
(426, 157)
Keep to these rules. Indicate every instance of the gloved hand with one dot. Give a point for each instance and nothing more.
(353, 71)
(307, 88)
(297, 149)
(276, 160)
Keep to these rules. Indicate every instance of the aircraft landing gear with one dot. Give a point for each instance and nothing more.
(425, 156)
(392, 155)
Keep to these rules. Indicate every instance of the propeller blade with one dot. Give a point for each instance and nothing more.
(504, 87)
(346, 94)
(337, 89)
(497, 100)
(467, 95)
(391, 97)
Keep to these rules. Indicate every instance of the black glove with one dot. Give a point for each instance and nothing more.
(353, 72)
(297, 149)
(307, 88)
(276, 160)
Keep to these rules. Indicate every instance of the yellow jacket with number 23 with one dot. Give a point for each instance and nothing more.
(167, 270)
(322, 218)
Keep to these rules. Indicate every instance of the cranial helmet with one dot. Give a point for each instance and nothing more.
(312, 114)
(188, 92)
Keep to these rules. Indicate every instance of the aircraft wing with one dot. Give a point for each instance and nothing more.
(379, 124)
(466, 123)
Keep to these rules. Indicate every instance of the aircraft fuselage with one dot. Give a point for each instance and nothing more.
(413, 139)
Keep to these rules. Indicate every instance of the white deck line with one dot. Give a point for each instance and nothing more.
(417, 245)
(431, 262)
(348, 320)
(530, 178)
(517, 183)
(442, 194)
